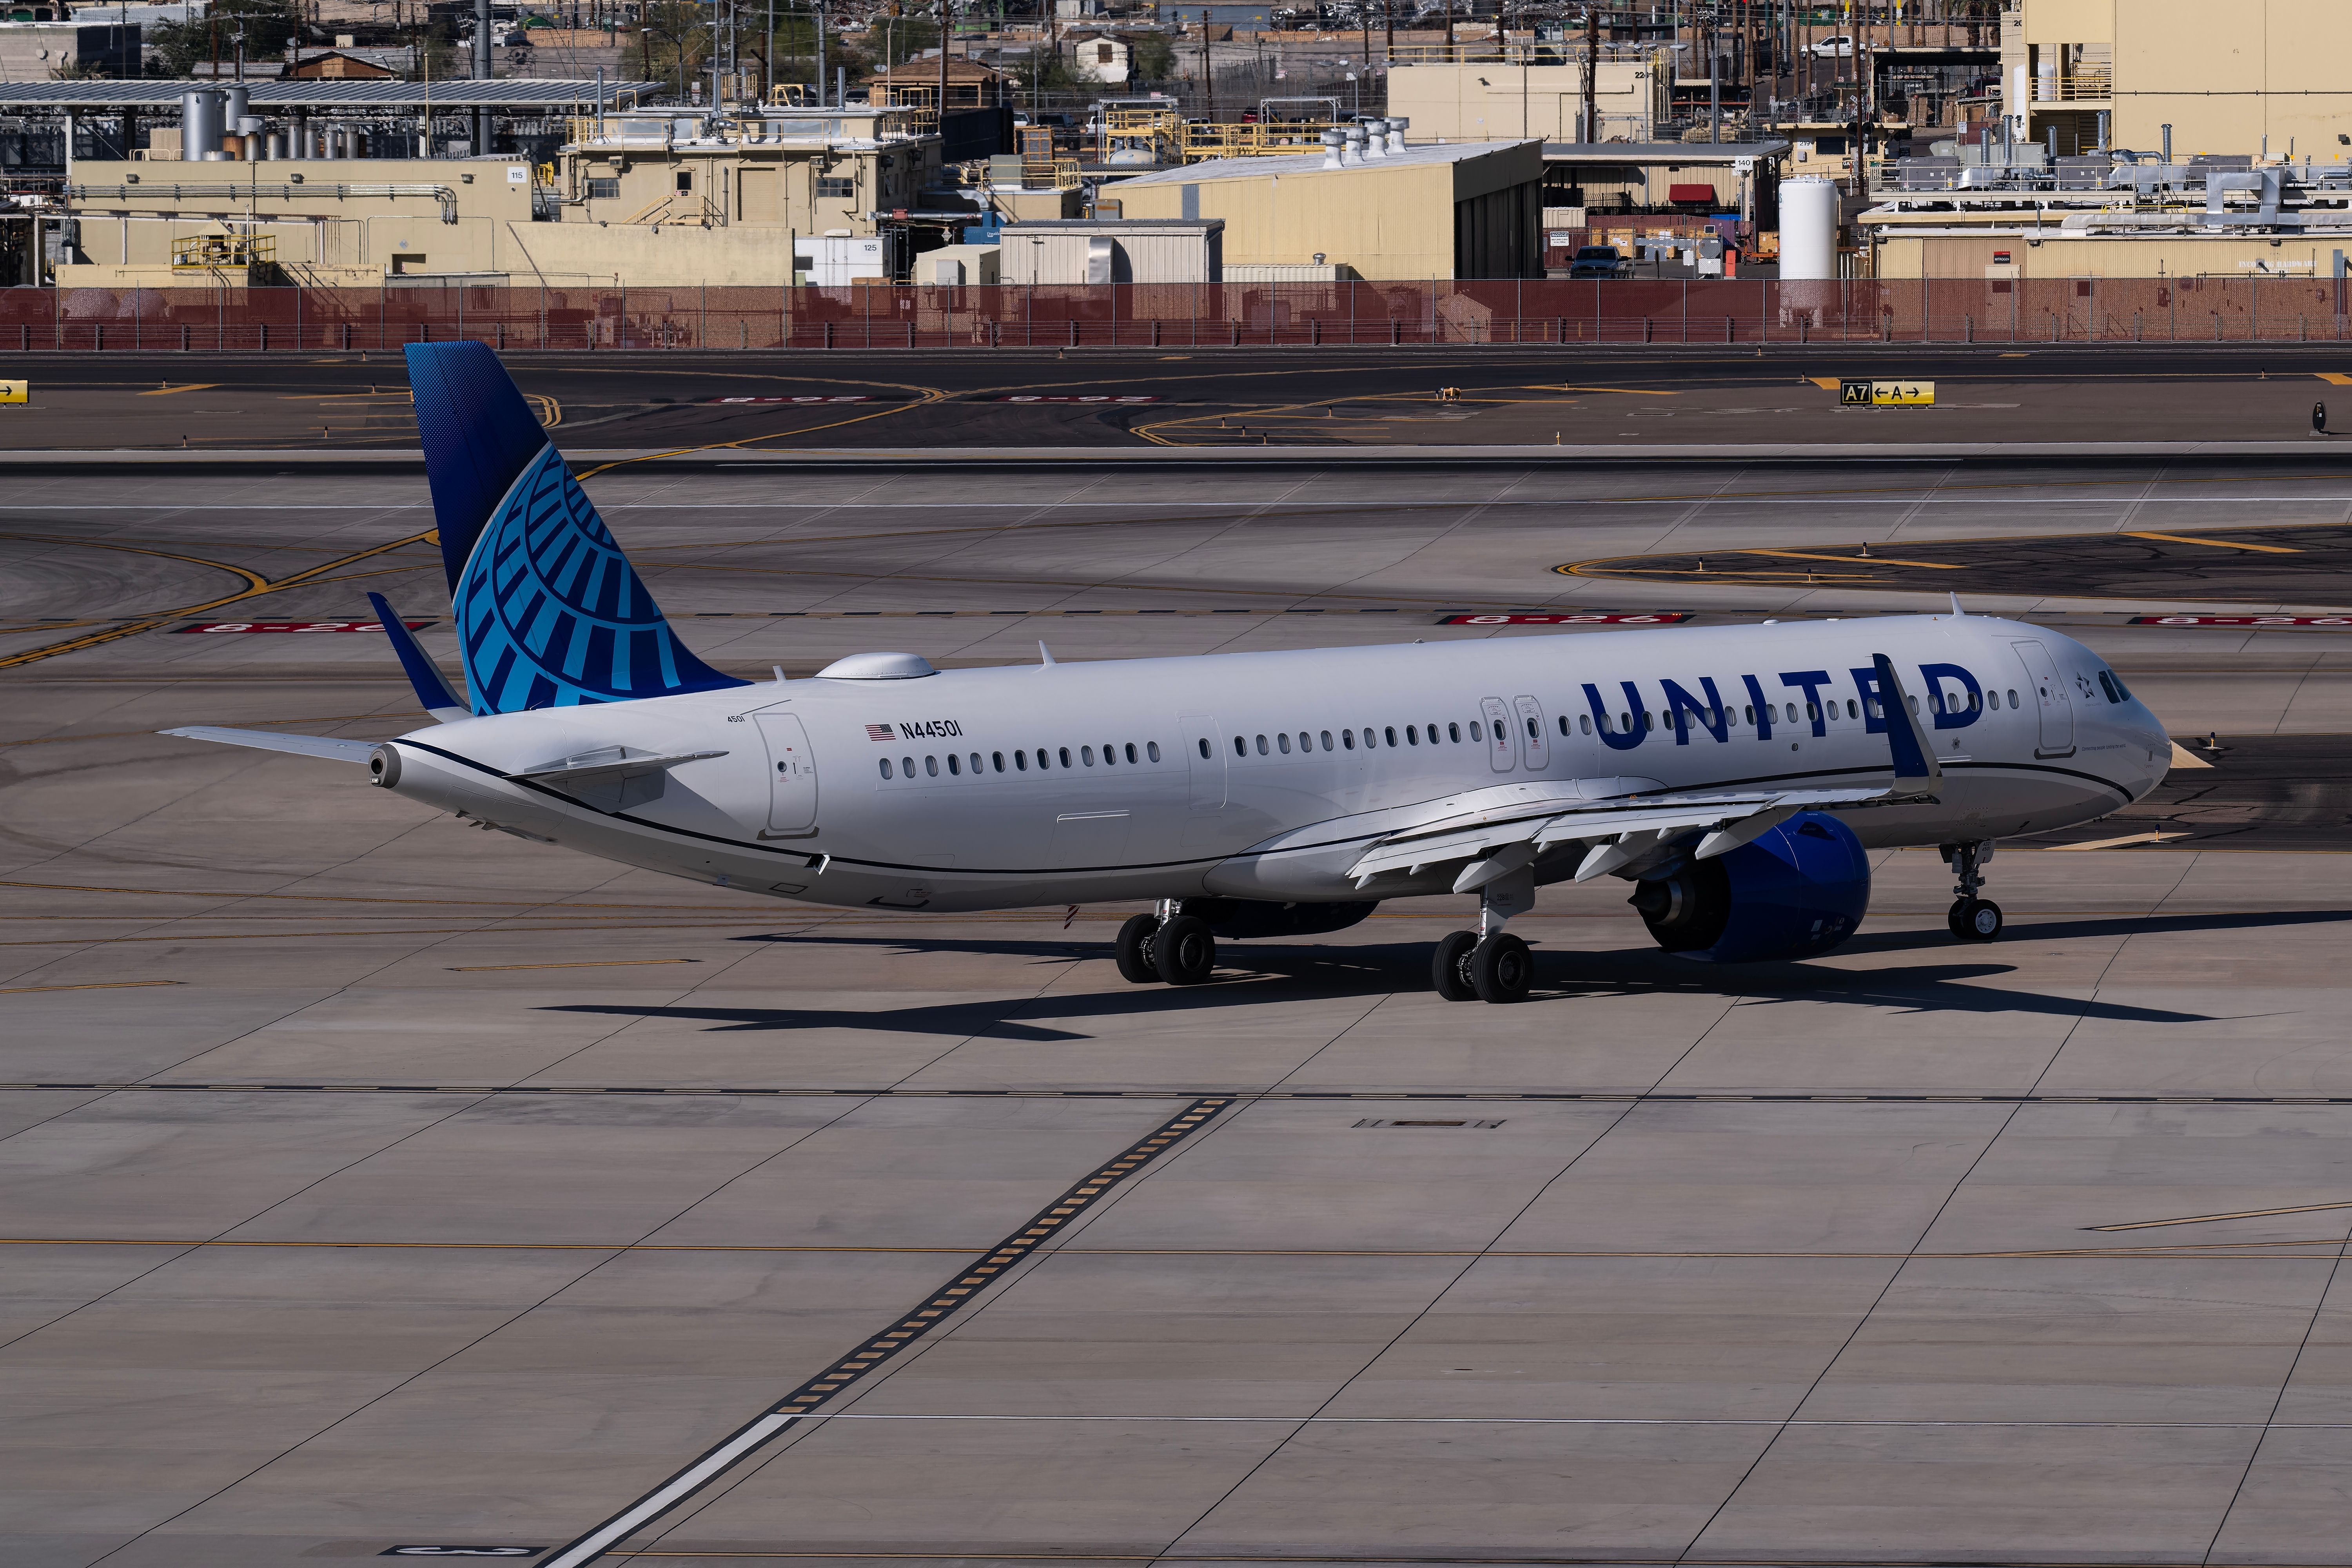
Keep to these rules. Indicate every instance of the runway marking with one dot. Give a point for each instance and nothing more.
(2216, 543)
(882, 1348)
(90, 986)
(2151, 836)
(2207, 1218)
(255, 585)
(167, 389)
(2335, 378)
(1857, 559)
(578, 963)
(1826, 382)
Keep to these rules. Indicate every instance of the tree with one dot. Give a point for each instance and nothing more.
(1155, 58)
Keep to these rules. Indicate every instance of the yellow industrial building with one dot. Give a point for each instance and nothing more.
(2226, 78)
(1485, 100)
(639, 199)
(1426, 212)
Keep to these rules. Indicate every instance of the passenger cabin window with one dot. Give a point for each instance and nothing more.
(885, 767)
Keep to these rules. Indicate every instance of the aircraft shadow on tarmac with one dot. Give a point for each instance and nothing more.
(1276, 973)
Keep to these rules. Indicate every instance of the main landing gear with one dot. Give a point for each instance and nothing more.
(1166, 946)
(1972, 919)
(1488, 964)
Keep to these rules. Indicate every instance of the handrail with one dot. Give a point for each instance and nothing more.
(227, 191)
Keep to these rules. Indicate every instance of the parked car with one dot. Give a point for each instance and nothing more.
(1839, 47)
(1599, 261)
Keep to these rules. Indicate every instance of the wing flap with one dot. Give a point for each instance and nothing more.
(1655, 814)
(276, 740)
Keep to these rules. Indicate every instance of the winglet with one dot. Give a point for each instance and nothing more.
(1956, 606)
(1045, 655)
(1915, 771)
(433, 693)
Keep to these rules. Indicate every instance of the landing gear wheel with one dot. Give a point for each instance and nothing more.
(1975, 920)
(1185, 950)
(1450, 966)
(1502, 969)
(1133, 950)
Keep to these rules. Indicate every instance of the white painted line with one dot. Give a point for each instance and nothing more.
(654, 1504)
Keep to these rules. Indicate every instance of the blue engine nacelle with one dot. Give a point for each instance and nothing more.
(1796, 890)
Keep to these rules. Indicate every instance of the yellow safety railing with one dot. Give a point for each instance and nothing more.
(1520, 51)
(1265, 139)
(2085, 86)
(1159, 132)
(647, 130)
(205, 252)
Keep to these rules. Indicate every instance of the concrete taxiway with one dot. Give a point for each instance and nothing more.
(372, 1183)
(1004, 400)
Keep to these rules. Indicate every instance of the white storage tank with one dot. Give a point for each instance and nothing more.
(1809, 228)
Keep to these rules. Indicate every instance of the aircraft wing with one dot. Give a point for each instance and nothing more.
(1731, 817)
(276, 740)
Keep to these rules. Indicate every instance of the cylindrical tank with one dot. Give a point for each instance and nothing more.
(2045, 81)
(238, 105)
(273, 147)
(200, 122)
(1808, 226)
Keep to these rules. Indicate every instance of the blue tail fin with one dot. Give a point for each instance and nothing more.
(549, 613)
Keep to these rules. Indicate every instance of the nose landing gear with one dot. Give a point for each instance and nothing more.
(1489, 964)
(1972, 919)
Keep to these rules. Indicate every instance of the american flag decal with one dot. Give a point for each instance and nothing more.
(881, 733)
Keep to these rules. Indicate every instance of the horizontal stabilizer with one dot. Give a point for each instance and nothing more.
(611, 778)
(433, 693)
(277, 740)
(610, 763)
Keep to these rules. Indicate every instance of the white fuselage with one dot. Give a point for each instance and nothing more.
(1266, 776)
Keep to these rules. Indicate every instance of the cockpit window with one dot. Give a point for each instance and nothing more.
(2112, 685)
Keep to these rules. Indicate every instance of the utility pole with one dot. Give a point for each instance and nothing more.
(481, 128)
(1387, 19)
(817, 17)
(947, 24)
(1715, 72)
(1592, 74)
